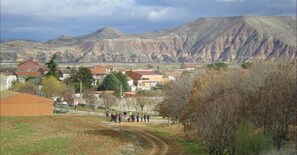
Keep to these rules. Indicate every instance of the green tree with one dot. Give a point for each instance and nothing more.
(123, 79)
(52, 87)
(114, 81)
(218, 66)
(110, 82)
(246, 65)
(52, 65)
(83, 75)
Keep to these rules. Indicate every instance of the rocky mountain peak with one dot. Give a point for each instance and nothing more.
(229, 39)
(104, 33)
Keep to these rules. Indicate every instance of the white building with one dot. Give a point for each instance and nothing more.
(7, 81)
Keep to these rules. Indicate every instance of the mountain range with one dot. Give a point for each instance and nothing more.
(228, 39)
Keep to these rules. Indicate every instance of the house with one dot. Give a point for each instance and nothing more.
(130, 84)
(188, 66)
(7, 81)
(172, 75)
(29, 68)
(100, 71)
(22, 104)
(145, 79)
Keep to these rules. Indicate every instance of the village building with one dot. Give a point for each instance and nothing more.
(99, 72)
(22, 104)
(171, 75)
(7, 81)
(145, 79)
(29, 68)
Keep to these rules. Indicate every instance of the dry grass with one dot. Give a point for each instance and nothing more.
(58, 135)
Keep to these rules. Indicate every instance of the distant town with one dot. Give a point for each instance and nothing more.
(28, 75)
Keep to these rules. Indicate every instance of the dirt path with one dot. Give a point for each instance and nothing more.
(147, 142)
(143, 141)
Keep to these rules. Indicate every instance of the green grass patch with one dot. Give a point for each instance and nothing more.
(56, 135)
(54, 145)
(191, 147)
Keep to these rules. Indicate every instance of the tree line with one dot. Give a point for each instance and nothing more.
(236, 111)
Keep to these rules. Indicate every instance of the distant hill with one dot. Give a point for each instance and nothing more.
(230, 39)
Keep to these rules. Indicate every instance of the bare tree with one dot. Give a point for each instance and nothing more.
(213, 112)
(277, 108)
(108, 100)
(67, 93)
(90, 98)
(141, 101)
(177, 97)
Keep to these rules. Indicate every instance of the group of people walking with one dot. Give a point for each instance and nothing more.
(129, 117)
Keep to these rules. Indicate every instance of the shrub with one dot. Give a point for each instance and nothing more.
(218, 66)
(246, 65)
(248, 140)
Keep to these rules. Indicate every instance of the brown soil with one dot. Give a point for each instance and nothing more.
(147, 142)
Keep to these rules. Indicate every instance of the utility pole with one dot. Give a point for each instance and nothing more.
(121, 91)
(80, 91)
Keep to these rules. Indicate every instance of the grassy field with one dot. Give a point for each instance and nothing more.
(176, 132)
(58, 135)
(82, 134)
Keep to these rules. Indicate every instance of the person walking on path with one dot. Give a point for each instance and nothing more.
(120, 118)
(137, 117)
(148, 117)
(144, 117)
(141, 117)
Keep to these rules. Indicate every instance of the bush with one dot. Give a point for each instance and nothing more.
(246, 65)
(218, 66)
(250, 141)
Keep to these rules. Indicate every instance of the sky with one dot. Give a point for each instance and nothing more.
(41, 20)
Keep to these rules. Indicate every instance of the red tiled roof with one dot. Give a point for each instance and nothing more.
(101, 69)
(36, 73)
(98, 70)
(35, 62)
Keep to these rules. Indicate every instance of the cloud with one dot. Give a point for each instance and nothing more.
(71, 9)
(32, 29)
(77, 17)
(167, 14)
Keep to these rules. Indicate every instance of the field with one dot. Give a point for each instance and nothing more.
(57, 135)
(89, 134)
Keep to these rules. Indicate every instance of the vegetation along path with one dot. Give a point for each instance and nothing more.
(84, 134)
(146, 141)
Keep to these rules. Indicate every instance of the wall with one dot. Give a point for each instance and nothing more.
(26, 109)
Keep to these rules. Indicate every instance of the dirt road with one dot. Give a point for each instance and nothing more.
(145, 141)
